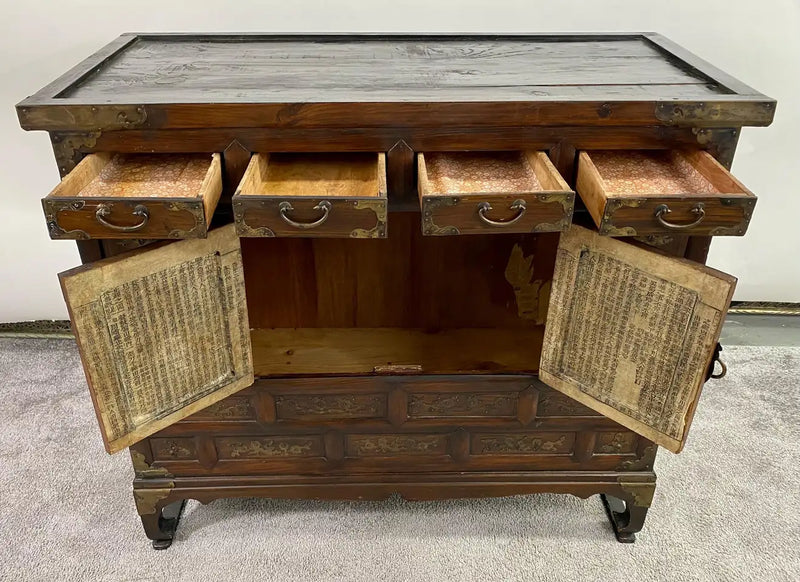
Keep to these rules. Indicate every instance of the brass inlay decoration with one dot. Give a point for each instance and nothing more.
(439, 404)
(429, 207)
(341, 405)
(173, 448)
(380, 210)
(70, 147)
(515, 444)
(243, 229)
(229, 408)
(689, 113)
(640, 492)
(382, 445)
(567, 203)
(615, 443)
(144, 470)
(271, 447)
(555, 404)
(641, 463)
(147, 500)
(52, 207)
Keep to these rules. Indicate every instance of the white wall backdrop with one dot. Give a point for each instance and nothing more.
(758, 42)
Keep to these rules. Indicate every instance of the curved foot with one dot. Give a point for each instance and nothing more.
(625, 517)
(160, 526)
(161, 544)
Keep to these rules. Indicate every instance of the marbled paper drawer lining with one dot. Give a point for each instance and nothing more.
(480, 172)
(148, 176)
(636, 173)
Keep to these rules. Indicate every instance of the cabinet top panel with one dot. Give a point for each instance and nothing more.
(311, 78)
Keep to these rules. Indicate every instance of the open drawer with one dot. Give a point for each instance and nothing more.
(631, 193)
(136, 196)
(313, 195)
(492, 192)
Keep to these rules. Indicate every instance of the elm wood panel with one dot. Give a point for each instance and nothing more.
(427, 424)
(411, 486)
(447, 137)
(184, 203)
(406, 452)
(623, 200)
(409, 403)
(289, 70)
(734, 111)
(304, 351)
(406, 280)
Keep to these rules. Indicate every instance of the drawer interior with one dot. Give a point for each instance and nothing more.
(465, 173)
(660, 173)
(318, 175)
(134, 176)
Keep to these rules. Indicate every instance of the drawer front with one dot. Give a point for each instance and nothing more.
(77, 218)
(313, 195)
(662, 192)
(710, 216)
(496, 214)
(492, 193)
(310, 217)
(135, 196)
(395, 424)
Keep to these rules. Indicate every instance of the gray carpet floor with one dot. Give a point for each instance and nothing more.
(726, 509)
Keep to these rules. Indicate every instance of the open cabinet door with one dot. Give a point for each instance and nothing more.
(630, 332)
(162, 333)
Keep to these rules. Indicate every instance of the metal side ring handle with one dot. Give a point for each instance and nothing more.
(285, 207)
(723, 370)
(699, 210)
(518, 205)
(104, 210)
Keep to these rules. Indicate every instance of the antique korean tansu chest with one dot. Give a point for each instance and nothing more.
(346, 267)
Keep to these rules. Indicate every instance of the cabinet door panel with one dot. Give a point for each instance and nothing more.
(630, 332)
(162, 333)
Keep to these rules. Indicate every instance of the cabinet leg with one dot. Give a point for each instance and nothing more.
(626, 517)
(160, 526)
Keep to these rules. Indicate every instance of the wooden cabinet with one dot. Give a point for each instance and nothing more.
(323, 341)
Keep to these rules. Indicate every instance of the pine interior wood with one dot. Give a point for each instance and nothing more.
(635, 173)
(459, 173)
(352, 175)
(328, 351)
(138, 176)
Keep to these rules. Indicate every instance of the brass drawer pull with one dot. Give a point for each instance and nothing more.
(286, 207)
(699, 210)
(104, 210)
(518, 205)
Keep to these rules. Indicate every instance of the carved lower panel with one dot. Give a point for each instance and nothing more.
(552, 403)
(435, 404)
(523, 444)
(615, 443)
(232, 408)
(174, 448)
(331, 406)
(395, 445)
(269, 447)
